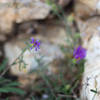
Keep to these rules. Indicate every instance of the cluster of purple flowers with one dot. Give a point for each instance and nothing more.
(35, 44)
(79, 53)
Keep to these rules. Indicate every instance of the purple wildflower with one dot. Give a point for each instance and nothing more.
(32, 40)
(35, 44)
(79, 53)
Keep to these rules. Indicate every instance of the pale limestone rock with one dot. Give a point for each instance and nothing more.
(87, 8)
(48, 50)
(90, 32)
(92, 70)
(31, 9)
(83, 11)
(45, 31)
(90, 4)
(7, 16)
(18, 11)
(49, 45)
(51, 52)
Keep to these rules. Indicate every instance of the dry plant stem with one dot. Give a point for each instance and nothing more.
(7, 68)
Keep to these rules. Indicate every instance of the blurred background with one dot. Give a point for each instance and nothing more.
(50, 73)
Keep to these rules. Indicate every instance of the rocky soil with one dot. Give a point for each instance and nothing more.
(22, 19)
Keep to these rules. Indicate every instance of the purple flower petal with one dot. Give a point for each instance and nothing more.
(77, 56)
(36, 44)
(32, 40)
(79, 53)
(31, 48)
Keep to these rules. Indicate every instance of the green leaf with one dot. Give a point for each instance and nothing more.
(3, 80)
(13, 84)
(74, 61)
(3, 65)
(48, 2)
(11, 89)
(67, 87)
(7, 98)
(95, 91)
(77, 35)
(70, 18)
(32, 98)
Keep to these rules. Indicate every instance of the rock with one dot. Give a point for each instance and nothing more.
(48, 50)
(64, 3)
(87, 8)
(91, 41)
(31, 10)
(19, 11)
(29, 27)
(90, 4)
(46, 33)
(48, 46)
(2, 37)
(7, 16)
(88, 29)
(83, 11)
